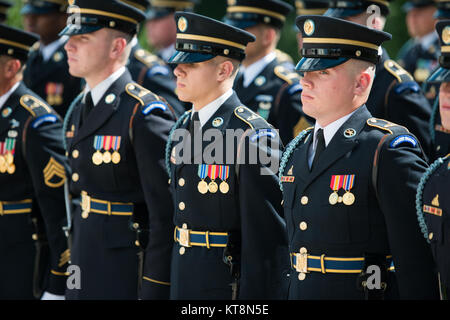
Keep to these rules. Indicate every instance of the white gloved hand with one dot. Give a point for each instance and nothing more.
(51, 296)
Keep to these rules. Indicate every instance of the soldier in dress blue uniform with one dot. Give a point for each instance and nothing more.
(229, 235)
(266, 83)
(395, 96)
(309, 7)
(33, 248)
(432, 200)
(160, 25)
(150, 71)
(116, 132)
(349, 182)
(4, 6)
(439, 131)
(47, 70)
(419, 56)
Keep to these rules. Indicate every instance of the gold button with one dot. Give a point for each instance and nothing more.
(181, 182)
(169, 181)
(181, 205)
(303, 250)
(304, 200)
(34, 236)
(135, 225)
(430, 236)
(303, 226)
(182, 250)
(301, 276)
(75, 177)
(67, 153)
(85, 215)
(75, 153)
(137, 243)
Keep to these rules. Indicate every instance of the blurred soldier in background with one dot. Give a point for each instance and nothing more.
(309, 7)
(149, 70)
(47, 72)
(4, 6)
(33, 249)
(420, 54)
(266, 82)
(160, 25)
(395, 96)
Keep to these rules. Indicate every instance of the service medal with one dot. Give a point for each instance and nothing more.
(11, 168)
(202, 187)
(106, 157)
(333, 199)
(348, 198)
(212, 187)
(224, 187)
(97, 158)
(202, 172)
(115, 158)
(9, 158)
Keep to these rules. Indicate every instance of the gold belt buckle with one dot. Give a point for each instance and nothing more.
(184, 236)
(301, 264)
(85, 204)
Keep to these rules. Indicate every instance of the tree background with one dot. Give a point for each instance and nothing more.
(217, 8)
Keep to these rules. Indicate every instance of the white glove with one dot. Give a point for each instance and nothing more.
(51, 296)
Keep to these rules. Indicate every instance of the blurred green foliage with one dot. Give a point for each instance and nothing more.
(217, 8)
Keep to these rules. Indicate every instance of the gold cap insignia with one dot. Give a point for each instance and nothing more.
(309, 27)
(446, 35)
(182, 24)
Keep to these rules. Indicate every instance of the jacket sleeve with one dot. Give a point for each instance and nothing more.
(47, 164)
(150, 134)
(400, 169)
(264, 254)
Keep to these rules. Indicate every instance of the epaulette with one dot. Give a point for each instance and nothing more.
(402, 135)
(251, 118)
(283, 57)
(34, 105)
(147, 58)
(388, 126)
(143, 95)
(286, 75)
(397, 71)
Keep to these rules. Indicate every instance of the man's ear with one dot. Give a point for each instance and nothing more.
(12, 66)
(225, 70)
(119, 45)
(363, 82)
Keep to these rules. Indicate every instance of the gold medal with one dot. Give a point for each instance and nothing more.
(333, 199)
(9, 158)
(11, 168)
(115, 157)
(106, 157)
(348, 198)
(224, 187)
(212, 187)
(97, 158)
(3, 167)
(2, 160)
(202, 187)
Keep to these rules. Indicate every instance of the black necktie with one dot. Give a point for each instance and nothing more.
(195, 119)
(87, 107)
(320, 147)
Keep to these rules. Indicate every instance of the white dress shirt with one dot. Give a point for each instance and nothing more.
(328, 133)
(100, 89)
(208, 111)
(6, 96)
(251, 72)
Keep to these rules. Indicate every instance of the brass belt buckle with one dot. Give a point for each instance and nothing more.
(184, 236)
(301, 264)
(85, 204)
